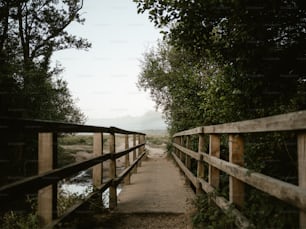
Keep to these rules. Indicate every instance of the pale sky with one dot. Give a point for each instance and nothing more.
(104, 78)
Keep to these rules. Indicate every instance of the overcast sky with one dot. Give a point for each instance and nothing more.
(104, 78)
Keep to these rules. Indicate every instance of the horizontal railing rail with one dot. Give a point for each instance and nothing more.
(30, 125)
(48, 175)
(238, 174)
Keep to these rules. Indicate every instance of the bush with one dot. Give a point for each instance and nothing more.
(208, 215)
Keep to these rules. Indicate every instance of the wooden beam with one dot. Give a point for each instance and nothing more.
(181, 143)
(134, 152)
(236, 187)
(188, 152)
(283, 122)
(127, 160)
(200, 166)
(187, 158)
(214, 151)
(45, 163)
(284, 191)
(97, 173)
(301, 143)
(197, 130)
(185, 170)
(112, 169)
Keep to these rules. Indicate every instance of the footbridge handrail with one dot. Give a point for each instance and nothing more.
(234, 167)
(49, 175)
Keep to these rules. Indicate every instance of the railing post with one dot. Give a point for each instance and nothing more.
(112, 169)
(47, 197)
(301, 141)
(134, 153)
(181, 142)
(236, 187)
(214, 151)
(176, 151)
(187, 158)
(139, 149)
(97, 173)
(127, 160)
(200, 168)
(144, 147)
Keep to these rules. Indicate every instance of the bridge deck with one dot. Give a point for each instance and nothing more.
(157, 187)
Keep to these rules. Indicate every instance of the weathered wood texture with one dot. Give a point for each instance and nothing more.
(236, 187)
(49, 175)
(302, 171)
(214, 151)
(112, 172)
(292, 194)
(45, 163)
(97, 173)
(127, 160)
(285, 122)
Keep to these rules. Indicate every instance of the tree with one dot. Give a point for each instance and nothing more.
(190, 92)
(31, 31)
(263, 42)
(226, 61)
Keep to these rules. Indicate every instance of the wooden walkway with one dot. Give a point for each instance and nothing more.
(157, 187)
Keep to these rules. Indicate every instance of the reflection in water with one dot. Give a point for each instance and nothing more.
(81, 185)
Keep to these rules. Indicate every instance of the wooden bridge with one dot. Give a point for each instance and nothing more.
(154, 181)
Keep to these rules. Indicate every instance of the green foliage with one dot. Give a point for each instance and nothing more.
(21, 220)
(30, 32)
(14, 220)
(224, 61)
(65, 200)
(268, 212)
(208, 215)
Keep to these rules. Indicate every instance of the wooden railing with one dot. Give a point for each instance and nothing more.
(48, 175)
(239, 175)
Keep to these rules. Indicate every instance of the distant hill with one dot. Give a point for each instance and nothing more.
(155, 132)
(151, 121)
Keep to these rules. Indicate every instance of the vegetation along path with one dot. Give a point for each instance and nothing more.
(157, 196)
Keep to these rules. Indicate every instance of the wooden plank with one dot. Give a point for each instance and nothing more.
(181, 143)
(112, 173)
(200, 165)
(193, 131)
(134, 152)
(283, 122)
(240, 220)
(127, 180)
(139, 149)
(189, 152)
(301, 142)
(187, 158)
(214, 151)
(45, 163)
(188, 173)
(97, 173)
(286, 192)
(43, 126)
(236, 187)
